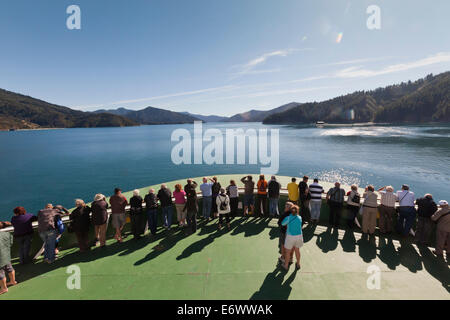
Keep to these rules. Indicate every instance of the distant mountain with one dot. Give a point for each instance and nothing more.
(259, 116)
(23, 112)
(152, 115)
(206, 118)
(424, 100)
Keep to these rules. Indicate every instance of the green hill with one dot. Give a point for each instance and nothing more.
(424, 100)
(23, 112)
(151, 115)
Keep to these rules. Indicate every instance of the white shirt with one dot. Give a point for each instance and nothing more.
(406, 198)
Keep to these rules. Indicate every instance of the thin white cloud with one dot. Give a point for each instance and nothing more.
(359, 72)
(173, 95)
(248, 67)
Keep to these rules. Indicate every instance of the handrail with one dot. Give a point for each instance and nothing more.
(65, 218)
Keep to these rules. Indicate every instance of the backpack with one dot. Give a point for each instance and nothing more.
(356, 198)
(223, 204)
(262, 186)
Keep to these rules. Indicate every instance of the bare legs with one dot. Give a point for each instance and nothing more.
(288, 256)
(12, 282)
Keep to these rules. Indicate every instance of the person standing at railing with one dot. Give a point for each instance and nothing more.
(407, 211)
(215, 189)
(426, 207)
(335, 198)
(387, 209)
(23, 232)
(261, 199)
(118, 203)
(316, 191)
(47, 231)
(249, 198)
(233, 193)
(180, 200)
(223, 207)
(100, 218)
(442, 218)
(370, 210)
(293, 191)
(137, 215)
(6, 242)
(353, 205)
(191, 209)
(274, 196)
(151, 205)
(305, 197)
(206, 189)
(80, 222)
(165, 198)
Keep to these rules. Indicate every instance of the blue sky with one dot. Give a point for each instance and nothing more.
(215, 57)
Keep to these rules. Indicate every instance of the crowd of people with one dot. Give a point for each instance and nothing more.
(303, 206)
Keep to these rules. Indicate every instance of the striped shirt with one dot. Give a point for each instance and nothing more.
(388, 199)
(316, 191)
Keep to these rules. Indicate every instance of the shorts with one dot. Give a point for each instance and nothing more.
(181, 214)
(118, 220)
(5, 269)
(293, 241)
(249, 199)
(282, 240)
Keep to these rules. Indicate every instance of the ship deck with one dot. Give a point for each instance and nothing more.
(240, 263)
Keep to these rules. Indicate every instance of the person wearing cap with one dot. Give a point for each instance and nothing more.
(274, 195)
(100, 218)
(387, 209)
(426, 208)
(407, 211)
(442, 218)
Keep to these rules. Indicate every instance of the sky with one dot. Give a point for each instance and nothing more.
(215, 56)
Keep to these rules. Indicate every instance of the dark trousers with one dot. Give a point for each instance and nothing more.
(152, 217)
(24, 247)
(234, 206)
(387, 215)
(352, 213)
(191, 218)
(83, 240)
(405, 219)
(137, 224)
(261, 204)
(335, 213)
(214, 204)
(423, 230)
(305, 213)
(225, 216)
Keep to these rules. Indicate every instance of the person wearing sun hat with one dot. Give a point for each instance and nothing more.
(442, 218)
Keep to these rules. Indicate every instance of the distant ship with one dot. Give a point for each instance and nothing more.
(322, 124)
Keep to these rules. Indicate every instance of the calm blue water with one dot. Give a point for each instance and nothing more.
(58, 166)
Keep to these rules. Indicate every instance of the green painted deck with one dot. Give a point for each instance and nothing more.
(239, 264)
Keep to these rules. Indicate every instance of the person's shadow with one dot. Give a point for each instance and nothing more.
(308, 232)
(327, 240)
(388, 254)
(436, 267)
(273, 287)
(348, 241)
(409, 256)
(367, 247)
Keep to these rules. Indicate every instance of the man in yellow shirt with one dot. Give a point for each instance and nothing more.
(293, 191)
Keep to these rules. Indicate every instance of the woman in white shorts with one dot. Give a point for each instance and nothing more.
(294, 236)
